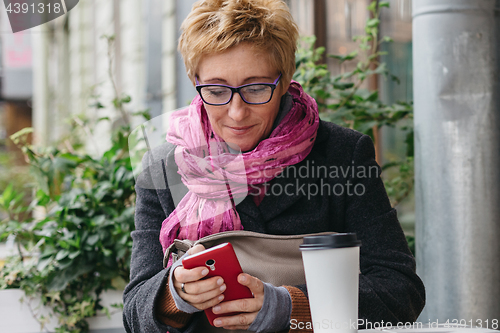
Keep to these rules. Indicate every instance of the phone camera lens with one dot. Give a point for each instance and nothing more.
(211, 264)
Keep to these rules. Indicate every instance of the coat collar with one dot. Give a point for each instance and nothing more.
(271, 206)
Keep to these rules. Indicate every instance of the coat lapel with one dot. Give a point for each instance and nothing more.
(250, 215)
(295, 180)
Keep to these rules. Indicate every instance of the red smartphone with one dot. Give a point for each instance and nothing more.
(220, 261)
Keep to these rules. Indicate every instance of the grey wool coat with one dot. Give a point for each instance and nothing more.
(389, 289)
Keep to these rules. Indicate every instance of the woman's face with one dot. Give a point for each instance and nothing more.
(239, 124)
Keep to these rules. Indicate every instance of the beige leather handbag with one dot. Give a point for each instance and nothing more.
(273, 259)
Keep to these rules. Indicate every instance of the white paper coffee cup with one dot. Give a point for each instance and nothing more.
(331, 264)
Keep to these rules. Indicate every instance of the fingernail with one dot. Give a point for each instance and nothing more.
(221, 297)
(222, 288)
(216, 309)
(220, 281)
(204, 272)
(217, 322)
(243, 278)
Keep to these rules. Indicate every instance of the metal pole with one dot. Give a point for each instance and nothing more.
(457, 144)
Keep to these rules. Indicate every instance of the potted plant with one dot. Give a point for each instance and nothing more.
(73, 239)
(80, 246)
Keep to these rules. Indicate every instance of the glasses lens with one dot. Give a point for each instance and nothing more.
(215, 95)
(257, 93)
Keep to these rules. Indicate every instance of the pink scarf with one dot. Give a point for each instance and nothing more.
(216, 178)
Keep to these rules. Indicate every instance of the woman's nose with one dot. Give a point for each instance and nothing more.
(237, 108)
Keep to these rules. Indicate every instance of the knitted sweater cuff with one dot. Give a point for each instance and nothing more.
(167, 311)
(300, 310)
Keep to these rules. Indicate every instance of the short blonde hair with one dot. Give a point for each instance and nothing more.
(214, 26)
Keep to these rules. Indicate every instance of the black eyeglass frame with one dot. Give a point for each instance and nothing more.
(237, 90)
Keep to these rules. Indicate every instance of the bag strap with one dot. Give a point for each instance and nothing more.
(177, 249)
(244, 233)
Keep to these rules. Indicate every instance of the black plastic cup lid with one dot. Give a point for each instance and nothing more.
(333, 241)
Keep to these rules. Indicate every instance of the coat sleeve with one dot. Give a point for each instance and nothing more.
(148, 278)
(389, 288)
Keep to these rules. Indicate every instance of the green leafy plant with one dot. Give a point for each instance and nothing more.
(74, 239)
(343, 100)
(13, 175)
(83, 243)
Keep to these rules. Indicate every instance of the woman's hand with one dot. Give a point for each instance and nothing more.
(249, 306)
(202, 294)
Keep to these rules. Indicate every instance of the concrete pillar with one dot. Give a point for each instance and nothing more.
(185, 89)
(41, 102)
(457, 157)
(169, 56)
(81, 32)
(133, 45)
(153, 53)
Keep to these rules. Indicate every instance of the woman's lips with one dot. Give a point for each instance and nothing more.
(240, 130)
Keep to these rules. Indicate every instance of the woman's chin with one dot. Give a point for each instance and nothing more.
(241, 146)
(244, 142)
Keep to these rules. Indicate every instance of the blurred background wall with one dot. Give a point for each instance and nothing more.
(68, 61)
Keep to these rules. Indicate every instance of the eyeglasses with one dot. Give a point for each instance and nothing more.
(253, 93)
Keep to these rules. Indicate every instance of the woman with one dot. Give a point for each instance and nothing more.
(240, 55)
